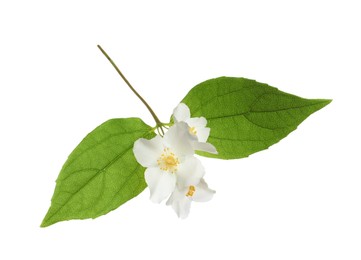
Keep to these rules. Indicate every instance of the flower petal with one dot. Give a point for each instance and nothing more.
(199, 125)
(205, 147)
(180, 203)
(181, 113)
(190, 172)
(202, 192)
(177, 194)
(161, 183)
(196, 122)
(147, 152)
(178, 139)
(203, 134)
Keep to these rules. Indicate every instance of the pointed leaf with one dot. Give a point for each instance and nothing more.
(246, 116)
(101, 173)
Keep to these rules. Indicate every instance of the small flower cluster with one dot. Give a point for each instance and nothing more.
(173, 171)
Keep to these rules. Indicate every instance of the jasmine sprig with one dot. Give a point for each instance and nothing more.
(223, 118)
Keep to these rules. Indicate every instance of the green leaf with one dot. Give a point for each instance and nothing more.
(101, 173)
(246, 116)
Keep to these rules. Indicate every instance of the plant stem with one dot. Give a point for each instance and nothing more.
(156, 119)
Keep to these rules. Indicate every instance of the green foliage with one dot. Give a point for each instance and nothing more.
(101, 173)
(246, 116)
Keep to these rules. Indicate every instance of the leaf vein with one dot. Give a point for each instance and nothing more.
(91, 179)
(99, 143)
(284, 109)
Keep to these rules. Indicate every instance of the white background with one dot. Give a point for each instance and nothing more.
(300, 199)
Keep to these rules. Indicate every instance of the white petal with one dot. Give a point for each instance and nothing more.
(203, 134)
(177, 194)
(202, 192)
(190, 172)
(147, 152)
(196, 122)
(181, 113)
(161, 183)
(177, 138)
(172, 198)
(182, 207)
(205, 147)
(180, 203)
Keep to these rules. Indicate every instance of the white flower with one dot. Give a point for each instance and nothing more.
(196, 127)
(172, 170)
(169, 160)
(181, 198)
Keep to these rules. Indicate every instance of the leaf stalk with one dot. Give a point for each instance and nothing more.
(159, 124)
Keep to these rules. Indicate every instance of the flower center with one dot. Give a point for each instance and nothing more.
(192, 130)
(191, 191)
(168, 161)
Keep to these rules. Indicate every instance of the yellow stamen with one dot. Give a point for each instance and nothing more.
(192, 131)
(168, 161)
(191, 191)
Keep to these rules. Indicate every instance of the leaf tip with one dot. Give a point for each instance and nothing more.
(46, 221)
(44, 224)
(325, 102)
